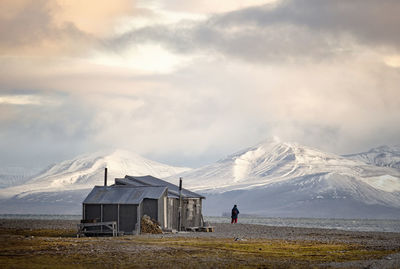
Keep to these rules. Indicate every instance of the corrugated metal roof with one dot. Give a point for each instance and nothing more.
(125, 181)
(123, 194)
(173, 190)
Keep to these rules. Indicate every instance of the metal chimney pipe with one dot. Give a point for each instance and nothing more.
(105, 177)
(180, 205)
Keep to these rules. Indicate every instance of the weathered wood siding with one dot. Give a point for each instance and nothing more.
(160, 213)
(127, 218)
(110, 213)
(172, 213)
(92, 212)
(150, 208)
(191, 212)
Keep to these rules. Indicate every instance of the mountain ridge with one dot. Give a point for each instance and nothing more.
(387, 156)
(271, 162)
(301, 178)
(87, 170)
(272, 178)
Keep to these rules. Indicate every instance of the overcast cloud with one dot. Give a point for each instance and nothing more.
(283, 30)
(192, 90)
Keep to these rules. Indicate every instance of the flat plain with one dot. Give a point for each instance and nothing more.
(53, 244)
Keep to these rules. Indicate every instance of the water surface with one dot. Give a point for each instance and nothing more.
(365, 225)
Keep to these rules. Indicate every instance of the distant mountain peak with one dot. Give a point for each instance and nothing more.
(273, 161)
(272, 178)
(87, 170)
(383, 156)
(289, 179)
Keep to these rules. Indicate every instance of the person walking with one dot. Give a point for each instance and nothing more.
(235, 213)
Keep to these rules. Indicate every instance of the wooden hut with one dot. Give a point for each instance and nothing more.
(129, 199)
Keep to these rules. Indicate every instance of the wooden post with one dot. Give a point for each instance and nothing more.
(101, 217)
(180, 205)
(138, 219)
(118, 220)
(165, 210)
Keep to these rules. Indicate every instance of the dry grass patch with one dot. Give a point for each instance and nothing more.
(275, 249)
(58, 249)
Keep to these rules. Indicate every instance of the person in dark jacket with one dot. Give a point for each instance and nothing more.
(235, 213)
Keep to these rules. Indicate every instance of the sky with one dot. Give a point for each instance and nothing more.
(189, 82)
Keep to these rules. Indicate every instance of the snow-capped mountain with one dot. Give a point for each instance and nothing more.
(287, 179)
(272, 179)
(85, 171)
(65, 184)
(13, 175)
(380, 156)
(272, 162)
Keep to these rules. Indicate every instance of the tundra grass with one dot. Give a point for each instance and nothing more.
(59, 249)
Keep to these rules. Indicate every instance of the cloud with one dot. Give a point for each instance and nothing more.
(98, 17)
(192, 92)
(206, 110)
(20, 100)
(29, 29)
(23, 21)
(370, 21)
(286, 30)
(209, 7)
(58, 28)
(393, 61)
(38, 132)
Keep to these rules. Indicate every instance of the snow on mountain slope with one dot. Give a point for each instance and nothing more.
(14, 175)
(314, 197)
(85, 171)
(290, 180)
(272, 162)
(380, 156)
(272, 178)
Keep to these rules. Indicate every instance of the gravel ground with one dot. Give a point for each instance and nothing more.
(382, 240)
(35, 224)
(376, 240)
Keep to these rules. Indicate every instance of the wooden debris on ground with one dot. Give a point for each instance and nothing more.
(147, 225)
(207, 229)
